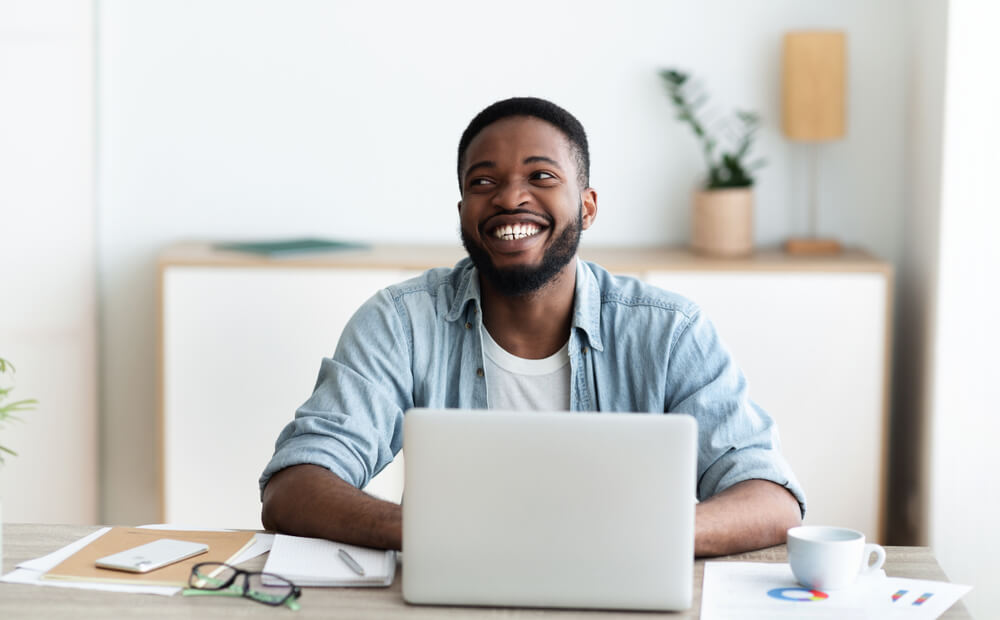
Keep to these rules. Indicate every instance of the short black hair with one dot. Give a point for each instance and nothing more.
(538, 108)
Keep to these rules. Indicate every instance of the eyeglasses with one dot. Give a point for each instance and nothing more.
(216, 578)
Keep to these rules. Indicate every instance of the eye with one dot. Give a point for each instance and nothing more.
(541, 175)
(479, 182)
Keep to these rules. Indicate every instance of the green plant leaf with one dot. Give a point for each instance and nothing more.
(673, 76)
(688, 96)
(7, 410)
(20, 405)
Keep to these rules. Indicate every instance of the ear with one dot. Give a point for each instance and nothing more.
(588, 198)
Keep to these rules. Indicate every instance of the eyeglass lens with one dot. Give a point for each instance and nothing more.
(262, 587)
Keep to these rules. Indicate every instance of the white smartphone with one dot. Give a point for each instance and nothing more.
(151, 556)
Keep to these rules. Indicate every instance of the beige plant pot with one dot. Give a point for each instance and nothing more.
(722, 222)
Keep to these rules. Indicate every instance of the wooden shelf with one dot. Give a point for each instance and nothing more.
(618, 259)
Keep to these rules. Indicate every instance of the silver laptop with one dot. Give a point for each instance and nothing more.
(549, 509)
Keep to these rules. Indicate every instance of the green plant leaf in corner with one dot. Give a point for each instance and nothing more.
(7, 410)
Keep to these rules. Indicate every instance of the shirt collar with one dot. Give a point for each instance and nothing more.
(466, 290)
(586, 305)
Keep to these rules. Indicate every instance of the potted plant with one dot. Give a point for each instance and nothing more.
(722, 220)
(7, 411)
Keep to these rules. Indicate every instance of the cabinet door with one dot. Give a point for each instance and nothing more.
(813, 348)
(241, 351)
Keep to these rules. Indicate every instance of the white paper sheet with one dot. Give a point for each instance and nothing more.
(755, 590)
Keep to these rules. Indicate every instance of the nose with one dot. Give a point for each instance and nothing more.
(511, 195)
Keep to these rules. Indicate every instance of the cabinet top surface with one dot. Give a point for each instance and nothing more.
(614, 258)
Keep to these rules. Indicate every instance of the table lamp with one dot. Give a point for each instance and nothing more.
(813, 91)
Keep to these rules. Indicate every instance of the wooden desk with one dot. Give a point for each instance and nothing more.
(24, 542)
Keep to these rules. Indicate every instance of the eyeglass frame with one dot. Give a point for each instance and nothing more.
(292, 597)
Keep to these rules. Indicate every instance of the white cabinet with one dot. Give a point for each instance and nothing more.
(241, 350)
(243, 337)
(813, 346)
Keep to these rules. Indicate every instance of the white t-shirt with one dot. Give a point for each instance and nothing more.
(518, 384)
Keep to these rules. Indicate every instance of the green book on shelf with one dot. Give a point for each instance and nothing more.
(282, 247)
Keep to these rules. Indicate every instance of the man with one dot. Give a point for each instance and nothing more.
(523, 324)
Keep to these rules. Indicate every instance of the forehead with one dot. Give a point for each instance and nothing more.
(518, 137)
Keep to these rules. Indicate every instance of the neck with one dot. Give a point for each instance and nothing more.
(536, 325)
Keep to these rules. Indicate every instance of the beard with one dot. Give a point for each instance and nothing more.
(526, 279)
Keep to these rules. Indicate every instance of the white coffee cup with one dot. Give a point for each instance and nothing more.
(828, 558)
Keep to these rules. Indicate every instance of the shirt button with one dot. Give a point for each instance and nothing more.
(585, 349)
(479, 372)
(468, 325)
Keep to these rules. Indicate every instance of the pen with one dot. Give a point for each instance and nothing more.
(351, 562)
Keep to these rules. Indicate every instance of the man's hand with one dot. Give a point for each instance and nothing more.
(308, 500)
(752, 514)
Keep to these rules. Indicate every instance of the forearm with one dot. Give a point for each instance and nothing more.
(752, 514)
(307, 500)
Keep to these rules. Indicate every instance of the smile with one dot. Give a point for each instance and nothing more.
(512, 232)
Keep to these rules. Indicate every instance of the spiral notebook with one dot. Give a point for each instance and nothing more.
(317, 562)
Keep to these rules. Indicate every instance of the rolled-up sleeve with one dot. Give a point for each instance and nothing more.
(352, 424)
(737, 440)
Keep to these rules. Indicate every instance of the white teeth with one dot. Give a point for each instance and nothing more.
(515, 231)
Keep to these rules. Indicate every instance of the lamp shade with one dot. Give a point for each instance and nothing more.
(814, 80)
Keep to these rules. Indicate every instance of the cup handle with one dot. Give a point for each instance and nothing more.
(879, 552)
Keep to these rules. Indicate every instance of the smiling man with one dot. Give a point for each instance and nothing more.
(523, 324)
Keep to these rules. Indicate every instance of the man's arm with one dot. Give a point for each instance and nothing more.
(348, 430)
(308, 500)
(752, 514)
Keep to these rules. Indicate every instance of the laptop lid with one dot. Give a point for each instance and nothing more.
(549, 509)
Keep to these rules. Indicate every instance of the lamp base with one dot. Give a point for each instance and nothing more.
(812, 246)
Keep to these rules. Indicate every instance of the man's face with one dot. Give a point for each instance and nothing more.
(522, 208)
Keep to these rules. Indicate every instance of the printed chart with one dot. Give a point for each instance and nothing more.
(755, 590)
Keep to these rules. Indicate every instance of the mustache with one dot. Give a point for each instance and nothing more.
(545, 216)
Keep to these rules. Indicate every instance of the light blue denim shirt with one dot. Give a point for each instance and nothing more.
(633, 347)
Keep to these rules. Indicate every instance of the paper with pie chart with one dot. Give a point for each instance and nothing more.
(753, 590)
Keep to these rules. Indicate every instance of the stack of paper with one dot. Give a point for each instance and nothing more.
(317, 562)
(32, 571)
(222, 547)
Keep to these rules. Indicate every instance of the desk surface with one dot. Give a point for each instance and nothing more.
(24, 542)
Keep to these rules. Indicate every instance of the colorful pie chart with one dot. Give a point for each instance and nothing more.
(797, 595)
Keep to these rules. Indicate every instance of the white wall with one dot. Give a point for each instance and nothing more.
(230, 119)
(48, 318)
(963, 505)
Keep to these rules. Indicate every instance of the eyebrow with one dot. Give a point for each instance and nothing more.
(479, 164)
(534, 159)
